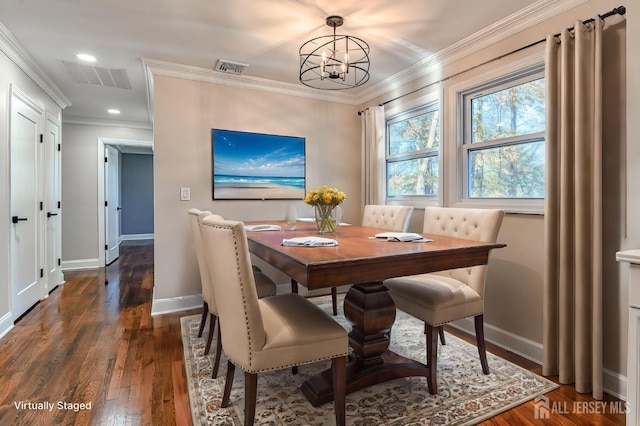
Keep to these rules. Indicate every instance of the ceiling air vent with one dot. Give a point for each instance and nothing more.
(97, 75)
(229, 66)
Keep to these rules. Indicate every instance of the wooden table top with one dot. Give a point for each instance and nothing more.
(360, 259)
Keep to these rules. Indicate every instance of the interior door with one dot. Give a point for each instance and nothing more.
(53, 221)
(25, 157)
(112, 204)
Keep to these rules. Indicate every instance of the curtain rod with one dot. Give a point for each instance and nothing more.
(620, 10)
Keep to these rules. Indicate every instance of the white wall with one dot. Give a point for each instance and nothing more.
(10, 74)
(185, 113)
(80, 231)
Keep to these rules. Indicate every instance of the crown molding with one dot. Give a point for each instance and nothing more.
(19, 56)
(523, 19)
(149, 90)
(82, 121)
(188, 72)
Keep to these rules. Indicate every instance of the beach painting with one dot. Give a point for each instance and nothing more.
(257, 166)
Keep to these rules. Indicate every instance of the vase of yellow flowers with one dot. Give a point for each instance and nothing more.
(325, 200)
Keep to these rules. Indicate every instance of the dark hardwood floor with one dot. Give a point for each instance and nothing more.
(91, 343)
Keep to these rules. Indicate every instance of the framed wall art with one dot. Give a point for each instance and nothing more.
(257, 166)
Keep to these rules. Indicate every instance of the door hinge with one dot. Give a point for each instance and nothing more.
(41, 273)
(59, 147)
(105, 159)
(41, 205)
(106, 203)
(41, 138)
(59, 261)
(58, 204)
(106, 247)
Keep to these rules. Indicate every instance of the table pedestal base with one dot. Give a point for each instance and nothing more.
(319, 388)
(371, 311)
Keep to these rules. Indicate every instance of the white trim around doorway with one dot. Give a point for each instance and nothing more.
(101, 144)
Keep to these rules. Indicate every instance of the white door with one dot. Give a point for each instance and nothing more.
(25, 157)
(53, 221)
(112, 204)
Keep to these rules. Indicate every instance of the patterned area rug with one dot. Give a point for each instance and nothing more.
(465, 395)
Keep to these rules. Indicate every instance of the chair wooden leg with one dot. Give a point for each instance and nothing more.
(250, 395)
(203, 320)
(441, 334)
(479, 322)
(432, 359)
(339, 370)
(216, 363)
(334, 300)
(294, 370)
(231, 368)
(212, 326)
(294, 286)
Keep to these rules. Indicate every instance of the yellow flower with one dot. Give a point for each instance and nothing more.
(325, 196)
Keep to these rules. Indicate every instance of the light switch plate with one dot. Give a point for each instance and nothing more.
(185, 194)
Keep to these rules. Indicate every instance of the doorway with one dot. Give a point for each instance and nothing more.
(34, 202)
(25, 250)
(109, 216)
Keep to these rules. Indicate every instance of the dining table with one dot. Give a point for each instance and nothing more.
(363, 262)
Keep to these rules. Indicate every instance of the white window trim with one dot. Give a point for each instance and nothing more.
(433, 96)
(453, 131)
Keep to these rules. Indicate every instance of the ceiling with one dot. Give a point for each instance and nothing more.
(265, 34)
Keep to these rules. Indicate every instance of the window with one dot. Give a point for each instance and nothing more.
(413, 141)
(503, 144)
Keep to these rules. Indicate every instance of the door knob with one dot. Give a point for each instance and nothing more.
(16, 219)
(49, 214)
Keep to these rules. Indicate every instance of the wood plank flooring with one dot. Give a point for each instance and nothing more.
(98, 344)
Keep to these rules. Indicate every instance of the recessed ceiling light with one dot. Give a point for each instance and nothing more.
(113, 111)
(85, 57)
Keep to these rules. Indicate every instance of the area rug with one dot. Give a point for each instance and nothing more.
(465, 395)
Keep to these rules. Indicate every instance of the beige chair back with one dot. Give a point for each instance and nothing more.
(470, 224)
(227, 255)
(393, 218)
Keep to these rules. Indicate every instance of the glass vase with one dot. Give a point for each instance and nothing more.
(326, 219)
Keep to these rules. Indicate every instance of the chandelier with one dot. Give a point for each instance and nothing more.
(334, 62)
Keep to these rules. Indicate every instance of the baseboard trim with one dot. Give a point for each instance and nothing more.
(519, 345)
(175, 304)
(131, 237)
(72, 265)
(6, 324)
(614, 384)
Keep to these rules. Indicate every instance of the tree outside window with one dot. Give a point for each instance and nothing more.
(413, 140)
(504, 139)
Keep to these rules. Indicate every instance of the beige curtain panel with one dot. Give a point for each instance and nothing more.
(572, 334)
(373, 146)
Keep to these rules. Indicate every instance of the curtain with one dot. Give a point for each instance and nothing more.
(373, 153)
(572, 312)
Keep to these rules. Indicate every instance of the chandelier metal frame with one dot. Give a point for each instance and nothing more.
(334, 62)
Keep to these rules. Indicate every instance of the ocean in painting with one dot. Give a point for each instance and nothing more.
(258, 181)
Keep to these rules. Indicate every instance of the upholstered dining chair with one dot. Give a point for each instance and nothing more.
(264, 286)
(272, 333)
(393, 218)
(441, 297)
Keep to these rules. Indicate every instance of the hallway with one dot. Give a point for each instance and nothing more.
(96, 344)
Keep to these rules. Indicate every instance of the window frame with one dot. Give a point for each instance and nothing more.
(531, 68)
(421, 105)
